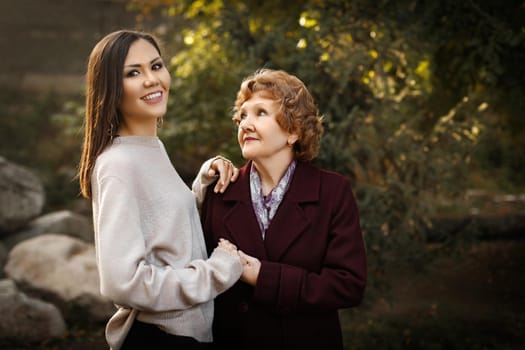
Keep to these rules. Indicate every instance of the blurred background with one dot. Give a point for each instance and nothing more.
(424, 105)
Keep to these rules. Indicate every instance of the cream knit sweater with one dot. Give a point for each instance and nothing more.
(149, 243)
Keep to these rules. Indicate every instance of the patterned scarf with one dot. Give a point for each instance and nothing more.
(265, 207)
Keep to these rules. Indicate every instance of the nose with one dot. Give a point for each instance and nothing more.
(150, 79)
(246, 124)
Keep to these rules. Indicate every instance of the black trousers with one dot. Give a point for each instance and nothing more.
(148, 336)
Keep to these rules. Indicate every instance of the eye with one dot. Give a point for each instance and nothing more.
(157, 66)
(262, 112)
(242, 115)
(132, 73)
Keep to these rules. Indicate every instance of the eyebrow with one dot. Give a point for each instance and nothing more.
(256, 105)
(138, 65)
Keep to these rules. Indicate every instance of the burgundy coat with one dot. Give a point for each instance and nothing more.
(313, 263)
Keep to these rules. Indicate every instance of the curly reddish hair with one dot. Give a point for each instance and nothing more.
(297, 111)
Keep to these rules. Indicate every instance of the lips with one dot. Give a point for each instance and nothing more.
(153, 97)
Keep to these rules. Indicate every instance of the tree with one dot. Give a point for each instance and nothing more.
(407, 89)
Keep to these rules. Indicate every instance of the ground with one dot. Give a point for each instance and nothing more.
(470, 301)
(466, 301)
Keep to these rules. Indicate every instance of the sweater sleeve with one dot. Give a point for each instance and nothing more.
(202, 181)
(126, 276)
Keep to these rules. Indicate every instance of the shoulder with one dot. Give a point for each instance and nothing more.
(311, 183)
(332, 186)
(335, 191)
(333, 178)
(324, 176)
(115, 161)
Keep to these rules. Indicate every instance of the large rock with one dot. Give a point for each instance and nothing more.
(60, 222)
(22, 196)
(61, 266)
(26, 319)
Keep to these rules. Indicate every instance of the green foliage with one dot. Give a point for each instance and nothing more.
(32, 135)
(405, 90)
(417, 96)
(414, 94)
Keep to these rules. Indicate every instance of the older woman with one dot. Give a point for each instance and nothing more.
(296, 226)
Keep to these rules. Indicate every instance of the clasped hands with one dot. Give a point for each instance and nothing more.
(250, 265)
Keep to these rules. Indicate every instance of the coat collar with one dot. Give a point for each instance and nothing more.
(289, 221)
(304, 186)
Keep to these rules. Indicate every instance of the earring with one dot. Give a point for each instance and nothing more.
(160, 122)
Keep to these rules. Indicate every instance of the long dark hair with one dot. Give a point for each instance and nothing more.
(104, 78)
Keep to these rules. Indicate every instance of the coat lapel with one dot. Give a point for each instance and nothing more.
(290, 220)
(288, 223)
(240, 220)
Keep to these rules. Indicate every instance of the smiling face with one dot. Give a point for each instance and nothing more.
(146, 83)
(260, 136)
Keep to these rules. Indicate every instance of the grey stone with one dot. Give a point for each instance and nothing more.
(27, 319)
(22, 196)
(62, 266)
(59, 222)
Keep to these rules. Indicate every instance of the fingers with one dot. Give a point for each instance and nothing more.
(211, 172)
(235, 174)
(247, 259)
(250, 268)
(224, 243)
(224, 180)
(227, 173)
(244, 257)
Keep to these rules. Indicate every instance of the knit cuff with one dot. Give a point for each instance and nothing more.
(230, 260)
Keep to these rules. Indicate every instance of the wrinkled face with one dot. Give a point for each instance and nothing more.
(260, 136)
(146, 83)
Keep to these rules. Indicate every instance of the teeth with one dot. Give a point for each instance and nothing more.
(152, 96)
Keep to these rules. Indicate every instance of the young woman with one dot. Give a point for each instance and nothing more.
(298, 223)
(149, 243)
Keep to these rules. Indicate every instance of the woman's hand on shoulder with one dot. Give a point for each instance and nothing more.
(227, 173)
